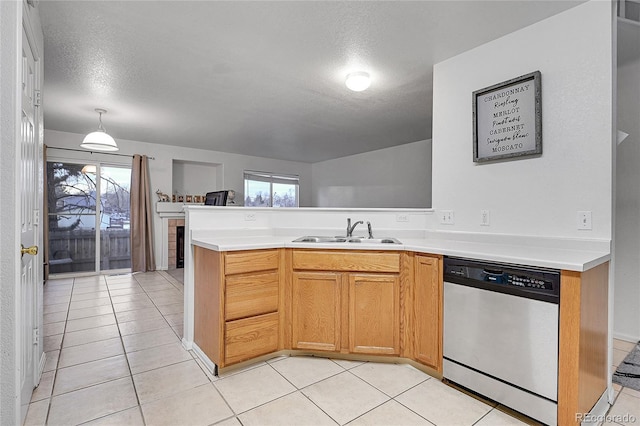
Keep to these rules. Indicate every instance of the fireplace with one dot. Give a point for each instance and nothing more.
(180, 246)
(175, 249)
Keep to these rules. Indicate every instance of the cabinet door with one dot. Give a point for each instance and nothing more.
(428, 311)
(316, 311)
(374, 314)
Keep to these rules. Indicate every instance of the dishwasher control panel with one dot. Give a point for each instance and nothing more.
(514, 279)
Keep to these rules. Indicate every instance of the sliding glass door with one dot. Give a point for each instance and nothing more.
(88, 217)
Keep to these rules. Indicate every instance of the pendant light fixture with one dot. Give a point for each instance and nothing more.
(100, 139)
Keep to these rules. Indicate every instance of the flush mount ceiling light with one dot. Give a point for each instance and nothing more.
(100, 139)
(358, 81)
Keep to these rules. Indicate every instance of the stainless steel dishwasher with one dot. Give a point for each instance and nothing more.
(501, 333)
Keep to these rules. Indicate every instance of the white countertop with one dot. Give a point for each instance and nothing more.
(527, 251)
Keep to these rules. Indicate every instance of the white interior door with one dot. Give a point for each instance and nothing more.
(29, 227)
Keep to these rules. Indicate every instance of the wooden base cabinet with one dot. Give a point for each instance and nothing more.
(251, 303)
(427, 308)
(374, 314)
(346, 301)
(316, 305)
(582, 362)
(237, 304)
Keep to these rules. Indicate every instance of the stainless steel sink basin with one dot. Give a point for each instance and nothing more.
(314, 239)
(363, 240)
(386, 240)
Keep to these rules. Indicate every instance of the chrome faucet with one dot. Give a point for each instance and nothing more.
(370, 230)
(351, 228)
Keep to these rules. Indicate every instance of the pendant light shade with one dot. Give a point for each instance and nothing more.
(100, 139)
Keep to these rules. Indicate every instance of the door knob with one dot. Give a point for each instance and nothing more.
(33, 250)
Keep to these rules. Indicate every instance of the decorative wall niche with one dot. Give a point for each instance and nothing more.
(196, 178)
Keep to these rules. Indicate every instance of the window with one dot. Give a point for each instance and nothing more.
(262, 189)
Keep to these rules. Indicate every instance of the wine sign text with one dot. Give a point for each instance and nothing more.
(507, 119)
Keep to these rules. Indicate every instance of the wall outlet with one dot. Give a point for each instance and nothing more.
(584, 220)
(447, 217)
(485, 219)
(250, 217)
(402, 217)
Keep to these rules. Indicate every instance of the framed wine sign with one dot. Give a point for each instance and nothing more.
(507, 119)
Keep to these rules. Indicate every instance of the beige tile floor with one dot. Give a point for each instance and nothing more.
(114, 357)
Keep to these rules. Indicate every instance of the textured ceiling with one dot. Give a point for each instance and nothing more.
(261, 78)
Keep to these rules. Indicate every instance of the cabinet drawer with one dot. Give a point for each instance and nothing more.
(250, 337)
(250, 261)
(252, 294)
(346, 261)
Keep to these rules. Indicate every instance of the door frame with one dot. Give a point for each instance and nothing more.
(88, 158)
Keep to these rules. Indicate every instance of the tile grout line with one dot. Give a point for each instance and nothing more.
(236, 414)
(128, 366)
(320, 381)
(296, 389)
(126, 356)
(392, 398)
(409, 408)
(55, 371)
(310, 400)
(156, 306)
(126, 353)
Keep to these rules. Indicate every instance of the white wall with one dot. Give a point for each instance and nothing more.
(533, 196)
(160, 169)
(627, 232)
(399, 176)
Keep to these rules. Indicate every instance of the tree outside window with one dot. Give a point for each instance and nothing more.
(263, 189)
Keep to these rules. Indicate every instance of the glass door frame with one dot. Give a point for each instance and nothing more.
(97, 214)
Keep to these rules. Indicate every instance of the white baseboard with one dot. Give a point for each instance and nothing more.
(205, 359)
(598, 413)
(187, 344)
(43, 360)
(626, 337)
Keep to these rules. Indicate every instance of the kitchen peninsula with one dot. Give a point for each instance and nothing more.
(251, 291)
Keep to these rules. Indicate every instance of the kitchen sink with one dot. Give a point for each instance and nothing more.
(317, 239)
(313, 239)
(386, 240)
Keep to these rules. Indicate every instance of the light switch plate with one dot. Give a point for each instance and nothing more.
(447, 217)
(485, 218)
(584, 220)
(402, 217)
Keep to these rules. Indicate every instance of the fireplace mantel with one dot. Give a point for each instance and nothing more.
(170, 210)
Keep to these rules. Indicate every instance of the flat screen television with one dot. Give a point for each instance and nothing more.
(216, 198)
